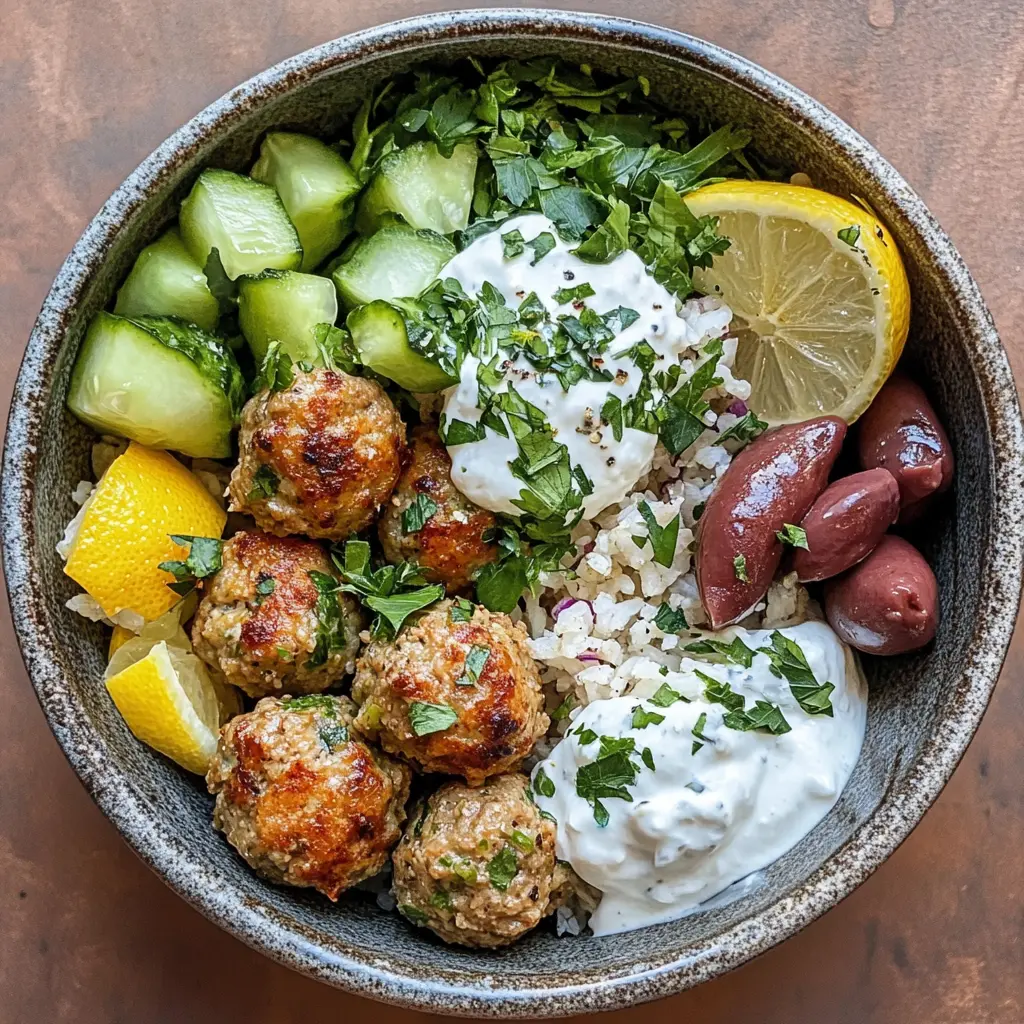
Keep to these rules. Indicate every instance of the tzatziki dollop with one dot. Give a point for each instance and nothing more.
(613, 458)
(704, 804)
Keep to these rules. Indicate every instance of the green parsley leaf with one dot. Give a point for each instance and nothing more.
(794, 536)
(736, 651)
(337, 350)
(441, 899)
(502, 868)
(428, 718)
(643, 718)
(264, 484)
(665, 697)
(718, 692)
(396, 608)
(329, 636)
(563, 709)
(275, 373)
(745, 429)
(264, 588)
(202, 561)
(512, 244)
(312, 702)
(648, 758)
(577, 294)
(788, 661)
(763, 717)
(542, 784)
(586, 735)
(499, 585)
(414, 517)
(611, 413)
(413, 914)
(476, 659)
(610, 239)
(541, 246)
(461, 610)
(455, 432)
(663, 538)
(669, 620)
(572, 209)
(698, 732)
(739, 567)
(521, 840)
(849, 235)
(333, 735)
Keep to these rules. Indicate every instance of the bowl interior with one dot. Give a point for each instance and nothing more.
(165, 814)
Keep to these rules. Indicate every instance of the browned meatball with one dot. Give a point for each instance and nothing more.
(270, 622)
(450, 546)
(457, 693)
(303, 798)
(319, 457)
(477, 866)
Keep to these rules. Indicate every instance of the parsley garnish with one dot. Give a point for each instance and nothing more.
(665, 697)
(541, 246)
(521, 840)
(512, 244)
(698, 732)
(788, 661)
(429, 718)
(329, 635)
(663, 538)
(264, 588)
(736, 651)
(264, 484)
(311, 702)
(643, 718)
(763, 716)
(745, 429)
(586, 735)
(611, 413)
(414, 517)
(476, 659)
(849, 235)
(669, 620)
(502, 868)
(543, 784)
(461, 610)
(648, 758)
(794, 536)
(275, 373)
(575, 294)
(441, 899)
(413, 914)
(333, 735)
(739, 567)
(202, 561)
(563, 709)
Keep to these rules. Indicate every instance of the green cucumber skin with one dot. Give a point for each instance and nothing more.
(167, 281)
(378, 331)
(393, 263)
(285, 306)
(159, 381)
(316, 186)
(424, 188)
(243, 219)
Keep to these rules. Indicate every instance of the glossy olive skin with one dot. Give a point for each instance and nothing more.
(900, 432)
(846, 523)
(887, 604)
(773, 481)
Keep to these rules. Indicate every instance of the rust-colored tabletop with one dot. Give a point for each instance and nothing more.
(90, 87)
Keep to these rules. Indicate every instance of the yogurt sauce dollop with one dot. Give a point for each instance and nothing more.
(480, 469)
(715, 809)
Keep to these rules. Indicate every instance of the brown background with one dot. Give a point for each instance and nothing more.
(87, 89)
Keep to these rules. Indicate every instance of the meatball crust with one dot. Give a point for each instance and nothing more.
(303, 798)
(477, 866)
(450, 547)
(319, 457)
(265, 626)
(486, 714)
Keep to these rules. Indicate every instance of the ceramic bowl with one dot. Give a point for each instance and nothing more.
(923, 709)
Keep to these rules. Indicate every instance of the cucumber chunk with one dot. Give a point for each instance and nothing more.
(426, 189)
(285, 306)
(159, 381)
(378, 331)
(393, 263)
(166, 281)
(315, 184)
(244, 220)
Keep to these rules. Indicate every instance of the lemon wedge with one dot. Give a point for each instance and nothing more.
(819, 295)
(125, 533)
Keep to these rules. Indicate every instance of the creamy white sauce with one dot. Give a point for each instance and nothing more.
(480, 470)
(702, 821)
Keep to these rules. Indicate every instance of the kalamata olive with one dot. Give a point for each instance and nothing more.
(887, 604)
(901, 433)
(847, 521)
(773, 481)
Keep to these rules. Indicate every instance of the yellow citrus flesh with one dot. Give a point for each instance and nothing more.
(143, 498)
(118, 639)
(819, 295)
(168, 701)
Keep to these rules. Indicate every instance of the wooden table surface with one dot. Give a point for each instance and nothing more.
(90, 87)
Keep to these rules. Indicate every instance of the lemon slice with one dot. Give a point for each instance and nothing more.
(125, 533)
(169, 703)
(819, 295)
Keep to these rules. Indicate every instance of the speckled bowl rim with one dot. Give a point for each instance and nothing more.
(464, 992)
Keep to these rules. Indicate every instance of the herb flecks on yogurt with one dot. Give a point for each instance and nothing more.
(747, 766)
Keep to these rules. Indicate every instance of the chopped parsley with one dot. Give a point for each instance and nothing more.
(648, 758)
(329, 634)
(204, 559)
(333, 735)
(745, 429)
(849, 235)
(665, 697)
(275, 372)
(794, 536)
(413, 914)
(512, 244)
(698, 732)
(788, 661)
(441, 899)
(502, 868)
(311, 702)
(264, 588)
(543, 784)
(643, 718)
(575, 294)
(586, 735)
(563, 709)
(763, 716)
(669, 620)
(735, 651)
(521, 840)
(414, 517)
(264, 484)
(476, 659)
(461, 610)
(541, 246)
(663, 538)
(611, 414)
(426, 718)
(739, 567)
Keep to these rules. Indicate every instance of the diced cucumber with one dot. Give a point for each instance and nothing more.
(159, 381)
(244, 220)
(166, 281)
(426, 189)
(285, 306)
(378, 331)
(315, 184)
(393, 263)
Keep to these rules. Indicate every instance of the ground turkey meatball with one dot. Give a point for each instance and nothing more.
(450, 545)
(456, 693)
(477, 866)
(270, 622)
(319, 457)
(303, 798)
